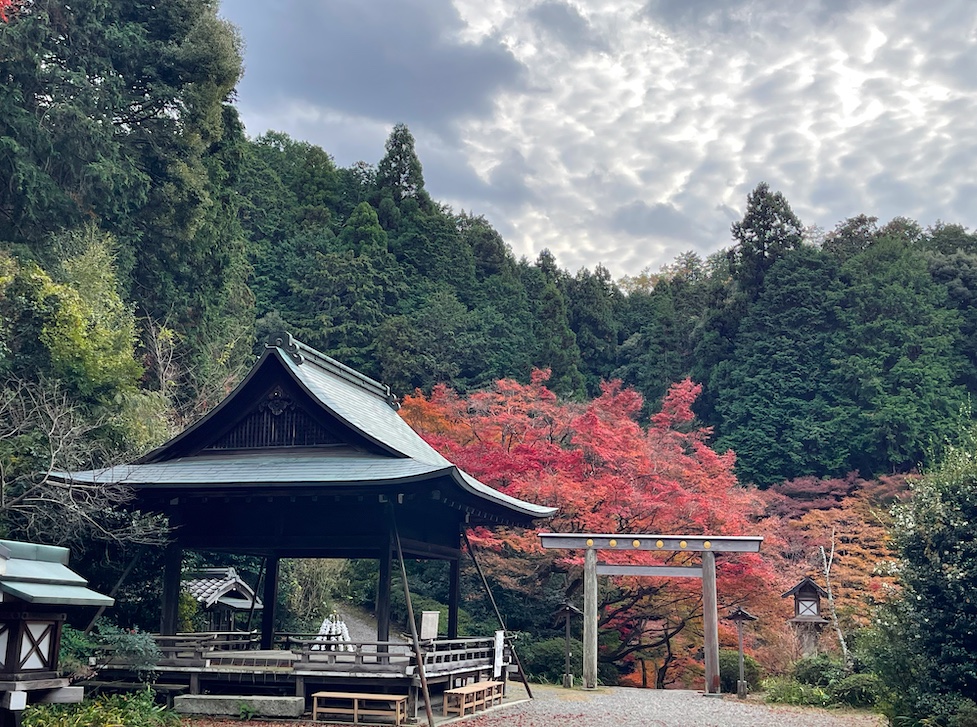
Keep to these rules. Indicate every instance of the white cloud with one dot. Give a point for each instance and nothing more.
(626, 132)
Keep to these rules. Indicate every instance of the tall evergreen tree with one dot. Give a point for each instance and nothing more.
(896, 357)
(780, 412)
(768, 230)
(399, 172)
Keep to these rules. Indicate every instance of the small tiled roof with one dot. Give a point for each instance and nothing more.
(210, 585)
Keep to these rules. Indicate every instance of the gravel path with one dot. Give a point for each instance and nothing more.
(619, 707)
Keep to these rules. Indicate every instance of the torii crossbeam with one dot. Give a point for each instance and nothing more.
(707, 545)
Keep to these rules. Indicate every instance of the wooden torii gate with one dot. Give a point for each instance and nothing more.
(707, 545)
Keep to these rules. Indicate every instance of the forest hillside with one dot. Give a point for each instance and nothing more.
(790, 381)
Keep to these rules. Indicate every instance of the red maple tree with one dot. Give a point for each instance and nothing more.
(607, 474)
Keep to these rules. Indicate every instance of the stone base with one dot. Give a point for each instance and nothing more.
(237, 706)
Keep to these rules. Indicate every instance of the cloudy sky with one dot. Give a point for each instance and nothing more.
(625, 132)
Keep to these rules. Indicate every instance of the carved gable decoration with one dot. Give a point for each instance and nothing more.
(277, 421)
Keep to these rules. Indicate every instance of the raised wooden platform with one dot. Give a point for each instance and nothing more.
(197, 664)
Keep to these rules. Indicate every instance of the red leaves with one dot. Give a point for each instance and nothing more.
(595, 462)
(7, 8)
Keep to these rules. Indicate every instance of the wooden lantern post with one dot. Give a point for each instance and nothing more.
(568, 610)
(807, 620)
(741, 616)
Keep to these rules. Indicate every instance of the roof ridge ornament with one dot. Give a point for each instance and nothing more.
(302, 353)
(284, 341)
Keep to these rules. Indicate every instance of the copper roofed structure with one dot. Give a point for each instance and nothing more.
(309, 458)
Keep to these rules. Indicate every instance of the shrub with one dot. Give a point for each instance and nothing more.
(116, 710)
(76, 647)
(729, 670)
(818, 671)
(857, 690)
(132, 647)
(545, 661)
(785, 690)
(966, 714)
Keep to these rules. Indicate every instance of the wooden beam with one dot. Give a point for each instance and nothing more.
(661, 571)
(172, 567)
(418, 654)
(710, 622)
(590, 619)
(632, 541)
(270, 598)
(454, 597)
(383, 592)
(421, 549)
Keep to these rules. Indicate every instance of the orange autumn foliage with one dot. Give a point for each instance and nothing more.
(607, 474)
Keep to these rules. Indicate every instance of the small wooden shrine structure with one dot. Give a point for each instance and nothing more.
(308, 458)
(807, 620)
(226, 600)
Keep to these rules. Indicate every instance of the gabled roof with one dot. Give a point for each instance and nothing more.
(223, 585)
(343, 430)
(807, 584)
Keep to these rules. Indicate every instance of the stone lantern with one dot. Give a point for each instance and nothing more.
(807, 620)
(36, 586)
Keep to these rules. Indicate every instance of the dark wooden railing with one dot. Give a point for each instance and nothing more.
(311, 652)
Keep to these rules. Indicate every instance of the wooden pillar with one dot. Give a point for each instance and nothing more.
(454, 597)
(270, 598)
(710, 621)
(590, 619)
(170, 606)
(383, 592)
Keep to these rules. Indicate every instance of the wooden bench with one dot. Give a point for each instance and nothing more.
(359, 703)
(471, 696)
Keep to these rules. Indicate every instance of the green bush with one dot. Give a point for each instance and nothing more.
(966, 714)
(116, 710)
(545, 661)
(857, 690)
(818, 671)
(786, 690)
(76, 647)
(729, 670)
(132, 647)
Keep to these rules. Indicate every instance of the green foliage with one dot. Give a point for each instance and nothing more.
(246, 711)
(118, 710)
(857, 690)
(137, 649)
(787, 690)
(768, 231)
(545, 660)
(819, 671)
(729, 670)
(923, 645)
(76, 647)
(965, 714)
